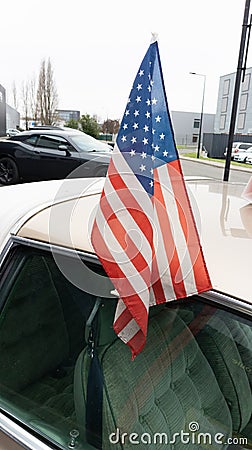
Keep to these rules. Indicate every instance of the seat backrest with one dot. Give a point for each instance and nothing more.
(162, 391)
(33, 336)
(226, 343)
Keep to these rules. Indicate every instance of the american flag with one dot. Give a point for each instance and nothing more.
(144, 232)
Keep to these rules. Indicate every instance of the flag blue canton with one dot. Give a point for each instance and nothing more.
(145, 137)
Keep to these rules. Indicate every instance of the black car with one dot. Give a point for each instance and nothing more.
(46, 154)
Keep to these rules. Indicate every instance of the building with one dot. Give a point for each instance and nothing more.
(186, 126)
(64, 115)
(2, 111)
(225, 102)
(12, 117)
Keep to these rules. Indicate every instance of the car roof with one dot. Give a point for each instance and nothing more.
(52, 131)
(223, 217)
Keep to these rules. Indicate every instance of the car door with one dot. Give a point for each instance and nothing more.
(57, 157)
(194, 374)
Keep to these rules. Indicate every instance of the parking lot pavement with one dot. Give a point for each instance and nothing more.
(212, 169)
(218, 164)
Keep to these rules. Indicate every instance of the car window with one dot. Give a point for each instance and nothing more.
(31, 140)
(41, 334)
(66, 375)
(244, 146)
(52, 142)
(86, 143)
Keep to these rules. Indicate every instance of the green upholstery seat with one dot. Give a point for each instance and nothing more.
(34, 348)
(33, 335)
(226, 343)
(169, 385)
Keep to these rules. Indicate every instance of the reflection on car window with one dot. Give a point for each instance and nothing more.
(31, 140)
(68, 377)
(86, 143)
(52, 142)
(41, 334)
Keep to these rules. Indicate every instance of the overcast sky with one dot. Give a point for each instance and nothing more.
(96, 47)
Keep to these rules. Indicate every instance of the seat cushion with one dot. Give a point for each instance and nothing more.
(162, 391)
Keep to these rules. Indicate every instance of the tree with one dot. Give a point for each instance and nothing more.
(110, 126)
(29, 102)
(47, 97)
(14, 93)
(89, 125)
(25, 103)
(73, 123)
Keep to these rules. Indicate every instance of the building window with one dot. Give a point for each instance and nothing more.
(243, 102)
(222, 121)
(196, 123)
(224, 104)
(246, 82)
(241, 121)
(226, 86)
(195, 138)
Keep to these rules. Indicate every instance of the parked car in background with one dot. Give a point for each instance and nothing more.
(68, 382)
(12, 132)
(249, 159)
(238, 147)
(46, 154)
(243, 155)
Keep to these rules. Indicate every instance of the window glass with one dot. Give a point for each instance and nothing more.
(241, 120)
(222, 121)
(243, 102)
(86, 143)
(246, 82)
(196, 123)
(52, 142)
(73, 381)
(225, 339)
(42, 331)
(224, 104)
(226, 86)
(31, 140)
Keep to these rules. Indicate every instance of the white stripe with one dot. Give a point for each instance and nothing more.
(120, 308)
(130, 179)
(129, 331)
(177, 231)
(127, 220)
(133, 276)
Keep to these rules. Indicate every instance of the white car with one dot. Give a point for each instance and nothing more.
(12, 132)
(68, 382)
(249, 159)
(243, 155)
(238, 147)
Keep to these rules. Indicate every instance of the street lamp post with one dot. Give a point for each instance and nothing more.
(202, 111)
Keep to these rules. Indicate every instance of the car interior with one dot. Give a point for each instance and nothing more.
(66, 376)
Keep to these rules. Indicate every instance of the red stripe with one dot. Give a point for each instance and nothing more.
(137, 343)
(202, 280)
(125, 241)
(157, 286)
(170, 249)
(126, 291)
